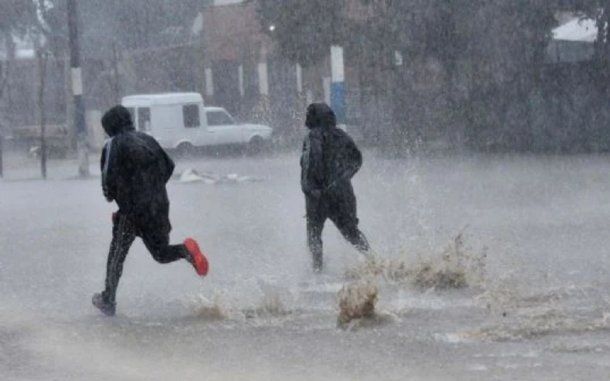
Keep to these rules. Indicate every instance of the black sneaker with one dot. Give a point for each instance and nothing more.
(107, 308)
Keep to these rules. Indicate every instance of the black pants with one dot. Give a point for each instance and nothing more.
(124, 232)
(340, 208)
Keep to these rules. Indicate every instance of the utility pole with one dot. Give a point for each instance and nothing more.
(116, 86)
(337, 87)
(1, 164)
(77, 90)
(41, 57)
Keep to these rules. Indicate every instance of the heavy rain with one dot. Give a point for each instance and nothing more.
(314, 189)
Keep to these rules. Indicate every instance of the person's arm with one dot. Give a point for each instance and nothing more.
(312, 179)
(168, 166)
(108, 167)
(350, 162)
(353, 160)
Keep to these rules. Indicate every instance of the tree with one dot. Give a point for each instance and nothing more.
(490, 55)
(42, 35)
(303, 30)
(16, 18)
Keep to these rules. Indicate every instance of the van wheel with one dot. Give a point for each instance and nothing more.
(256, 145)
(185, 149)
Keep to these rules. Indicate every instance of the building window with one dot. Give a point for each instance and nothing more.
(190, 113)
(144, 119)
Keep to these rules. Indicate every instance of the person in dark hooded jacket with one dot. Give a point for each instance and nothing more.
(135, 170)
(329, 160)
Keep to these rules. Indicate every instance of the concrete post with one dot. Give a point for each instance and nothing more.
(337, 87)
(77, 90)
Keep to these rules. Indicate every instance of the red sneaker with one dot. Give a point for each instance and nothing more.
(198, 260)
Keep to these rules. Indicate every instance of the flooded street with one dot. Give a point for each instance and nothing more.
(535, 307)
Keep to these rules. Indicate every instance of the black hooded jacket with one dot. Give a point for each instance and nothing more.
(330, 158)
(134, 167)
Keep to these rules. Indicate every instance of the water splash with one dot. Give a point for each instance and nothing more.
(219, 308)
(270, 306)
(357, 300)
(523, 313)
(211, 310)
(540, 324)
(455, 266)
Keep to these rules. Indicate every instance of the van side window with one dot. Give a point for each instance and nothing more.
(144, 119)
(219, 118)
(190, 113)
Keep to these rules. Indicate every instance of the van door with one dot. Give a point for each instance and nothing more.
(166, 125)
(208, 137)
(224, 128)
(194, 126)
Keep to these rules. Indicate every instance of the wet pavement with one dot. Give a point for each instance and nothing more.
(538, 310)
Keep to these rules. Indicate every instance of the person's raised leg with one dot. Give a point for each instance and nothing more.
(357, 238)
(157, 243)
(346, 220)
(123, 235)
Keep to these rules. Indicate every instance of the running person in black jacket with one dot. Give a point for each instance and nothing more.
(135, 170)
(329, 160)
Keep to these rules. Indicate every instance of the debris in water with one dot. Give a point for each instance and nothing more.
(191, 175)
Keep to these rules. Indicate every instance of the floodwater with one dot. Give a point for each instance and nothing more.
(536, 305)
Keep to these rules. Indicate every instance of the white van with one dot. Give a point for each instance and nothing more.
(180, 121)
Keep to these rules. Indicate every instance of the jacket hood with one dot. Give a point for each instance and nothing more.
(320, 115)
(117, 120)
